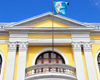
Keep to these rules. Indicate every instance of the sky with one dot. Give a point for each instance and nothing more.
(80, 10)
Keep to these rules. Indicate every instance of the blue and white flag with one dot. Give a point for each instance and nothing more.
(60, 7)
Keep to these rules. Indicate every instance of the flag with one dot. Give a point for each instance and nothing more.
(60, 7)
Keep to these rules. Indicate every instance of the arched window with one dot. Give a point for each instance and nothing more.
(49, 57)
(98, 59)
(0, 63)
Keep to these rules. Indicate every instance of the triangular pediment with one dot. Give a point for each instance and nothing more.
(49, 23)
(48, 20)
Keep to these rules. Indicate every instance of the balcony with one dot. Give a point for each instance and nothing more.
(50, 71)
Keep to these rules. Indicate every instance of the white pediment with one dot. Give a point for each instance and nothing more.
(58, 19)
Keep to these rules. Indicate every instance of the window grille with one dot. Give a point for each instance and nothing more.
(0, 63)
(99, 61)
(49, 57)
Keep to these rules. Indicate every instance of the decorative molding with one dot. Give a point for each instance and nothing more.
(95, 41)
(47, 32)
(68, 71)
(95, 34)
(51, 76)
(87, 46)
(48, 15)
(4, 41)
(4, 33)
(59, 41)
(80, 36)
(76, 46)
(49, 49)
(28, 28)
(48, 41)
(23, 45)
(12, 46)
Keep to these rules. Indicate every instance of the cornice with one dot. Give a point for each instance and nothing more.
(49, 15)
(46, 29)
(48, 41)
(23, 45)
(21, 28)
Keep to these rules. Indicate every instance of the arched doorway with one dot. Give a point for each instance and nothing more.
(98, 59)
(49, 57)
(97, 62)
(48, 50)
(0, 63)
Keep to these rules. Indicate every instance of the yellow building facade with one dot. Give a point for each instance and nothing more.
(26, 51)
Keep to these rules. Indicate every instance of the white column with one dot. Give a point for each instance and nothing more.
(78, 61)
(89, 61)
(22, 61)
(10, 61)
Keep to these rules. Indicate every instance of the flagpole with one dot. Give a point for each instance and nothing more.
(52, 27)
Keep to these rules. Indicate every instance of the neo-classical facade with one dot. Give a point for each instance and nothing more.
(26, 51)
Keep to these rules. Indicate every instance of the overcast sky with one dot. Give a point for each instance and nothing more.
(80, 10)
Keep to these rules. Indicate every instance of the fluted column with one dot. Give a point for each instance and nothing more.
(89, 61)
(78, 61)
(22, 61)
(10, 61)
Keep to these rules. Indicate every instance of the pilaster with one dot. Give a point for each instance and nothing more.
(11, 61)
(89, 61)
(22, 61)
(78, 61)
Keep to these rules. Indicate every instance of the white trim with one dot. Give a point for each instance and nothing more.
(49, 49)
(77, 53)
(50, 76)
(3, 62)
(22, 61)
(89, 61)
(97, 67)
(49, 16)
(48, 41)
(96, 41)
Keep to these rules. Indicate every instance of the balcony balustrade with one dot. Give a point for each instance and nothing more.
(50, 70)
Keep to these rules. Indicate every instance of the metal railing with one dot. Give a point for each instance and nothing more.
(50, 68)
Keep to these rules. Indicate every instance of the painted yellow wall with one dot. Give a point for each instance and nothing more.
(4, 49)
(32, 50)
(95, 48)
(84, 65)
(95, 37)
(16, 62)
(4, 36)
(48, 35)
(48, 23)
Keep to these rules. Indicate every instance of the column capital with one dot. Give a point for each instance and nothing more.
(12, 46)
(87, 46)
(76, 45)
(23, 45)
